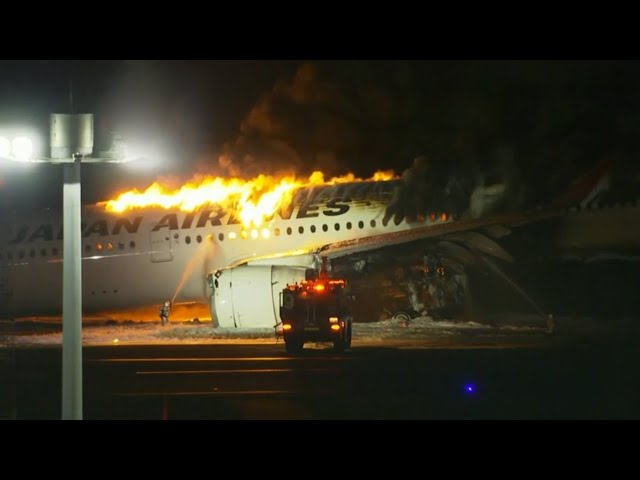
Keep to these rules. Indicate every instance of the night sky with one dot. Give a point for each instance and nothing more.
(545, 120)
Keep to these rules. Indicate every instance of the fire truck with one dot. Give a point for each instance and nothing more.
(316, 310)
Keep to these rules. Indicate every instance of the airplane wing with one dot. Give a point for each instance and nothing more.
(494, 225)
(476, 234)
(461, 239)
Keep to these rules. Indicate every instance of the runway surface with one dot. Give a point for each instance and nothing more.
(530, 376)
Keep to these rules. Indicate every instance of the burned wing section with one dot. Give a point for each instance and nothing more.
(428, 277)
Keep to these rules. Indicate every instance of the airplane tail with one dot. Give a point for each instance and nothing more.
(584, 188)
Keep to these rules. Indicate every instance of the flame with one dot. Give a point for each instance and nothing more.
(252, 200)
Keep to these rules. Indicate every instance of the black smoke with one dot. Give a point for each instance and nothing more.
(432, 187)
(533, 126)
(333, 116)
(555, 118)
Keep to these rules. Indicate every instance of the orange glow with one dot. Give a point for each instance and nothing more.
(383, 175)
(335, 327)
(286, 326)
(253, 201)
(443, 217)
(319, 287)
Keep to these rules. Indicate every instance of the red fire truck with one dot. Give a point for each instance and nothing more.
(316, 310)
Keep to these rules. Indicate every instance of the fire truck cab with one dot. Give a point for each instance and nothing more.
(316, 310)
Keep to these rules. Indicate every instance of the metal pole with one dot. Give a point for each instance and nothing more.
(72, 294)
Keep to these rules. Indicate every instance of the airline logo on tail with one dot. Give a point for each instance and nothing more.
(582, 188)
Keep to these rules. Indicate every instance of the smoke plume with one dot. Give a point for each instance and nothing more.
(320, 119)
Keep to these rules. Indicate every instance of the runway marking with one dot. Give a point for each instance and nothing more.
(188, 372)
(212, 359)
(221, 393)
(251, 370)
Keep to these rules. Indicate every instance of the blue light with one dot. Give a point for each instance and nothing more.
(469, 388)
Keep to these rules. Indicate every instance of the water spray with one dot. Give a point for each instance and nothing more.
(200, 256)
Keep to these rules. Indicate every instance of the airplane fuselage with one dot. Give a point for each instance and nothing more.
(144, 257)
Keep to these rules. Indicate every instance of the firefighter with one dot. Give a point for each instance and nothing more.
(165, 311)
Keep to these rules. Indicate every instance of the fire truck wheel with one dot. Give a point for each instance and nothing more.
(348, 329)
(344, 342)
(293, 344)
(339, 345)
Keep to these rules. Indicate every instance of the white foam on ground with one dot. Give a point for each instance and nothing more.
(418, 329)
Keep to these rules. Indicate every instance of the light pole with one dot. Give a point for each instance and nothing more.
(71, 142)
(71, 139)
(72, 292)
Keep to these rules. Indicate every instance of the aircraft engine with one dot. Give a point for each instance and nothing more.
(249, 296)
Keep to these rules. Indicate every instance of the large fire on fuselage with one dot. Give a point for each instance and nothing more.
(251, 201)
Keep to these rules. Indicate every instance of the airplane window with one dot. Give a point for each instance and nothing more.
(54, 251)
(199, 239)
(132, 244)
(99, 247)
(32, 253)
(93, 292)
(348, 225)
(176, 236)
(325, 227)
(373, 223)
(187, 239)
(104, 291)
(221, 236)
(360, 224)
(121, 245)
(276, 232)
(115, 291)
(21, 253)
(288, 230)
(432, 217)
(232, 235)
(300, 230)
(109, 246)
(88, 248)
(43, 252)
(443, 217)
(337, 227)
(313, 229)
